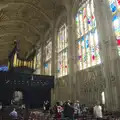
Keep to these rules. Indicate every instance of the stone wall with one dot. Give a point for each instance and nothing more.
(62, 89)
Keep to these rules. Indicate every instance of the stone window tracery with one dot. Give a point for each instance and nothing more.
(62, 51)
(48, 56)
(38, 61)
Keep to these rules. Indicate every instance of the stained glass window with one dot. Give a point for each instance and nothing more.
(38, 62)
(48, 51)
(48, 56)
(47, 67)
(115, 10)
(62, 44)
(87, 36)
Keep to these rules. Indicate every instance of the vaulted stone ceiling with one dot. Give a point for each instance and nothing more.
(25, 21)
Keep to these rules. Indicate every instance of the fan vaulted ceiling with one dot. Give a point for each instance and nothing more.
(25, 21)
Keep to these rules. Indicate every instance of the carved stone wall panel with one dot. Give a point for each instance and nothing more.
(62, 89)
(90, 85)
(62, 82)
(62, 93)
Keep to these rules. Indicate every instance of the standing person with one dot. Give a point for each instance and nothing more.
(44, 106)
(47, 105)
(0, 106)
(0, 111)
(62, 114)
(66, 110)
(14, 115)
(77, 110)
(59, 111)
(71, 111)
(84, 110)
(98, 111)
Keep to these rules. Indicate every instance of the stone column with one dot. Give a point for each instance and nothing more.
(71, 53)
(53, 65)
(42, 55)
(53, 60)
(107, 44)
(118, 83)
(113, 56)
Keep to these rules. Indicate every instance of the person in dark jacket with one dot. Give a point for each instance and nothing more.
(68, 110)
(71, 111)
(66, 107)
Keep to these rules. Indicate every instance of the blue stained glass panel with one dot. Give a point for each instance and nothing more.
(115, 18)
(77, 19)
(82, 38)
(87, 41)
(93, 50)
(116, 22)
(113, 7)
(46, 65)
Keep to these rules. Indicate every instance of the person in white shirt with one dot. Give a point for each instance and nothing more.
(98, 111)
(23, 106)
(77, 111)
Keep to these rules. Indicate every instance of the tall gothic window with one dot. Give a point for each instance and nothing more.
(48, 56)
(87, 36)
(62, 51)
(38, 62)
(115, 10)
